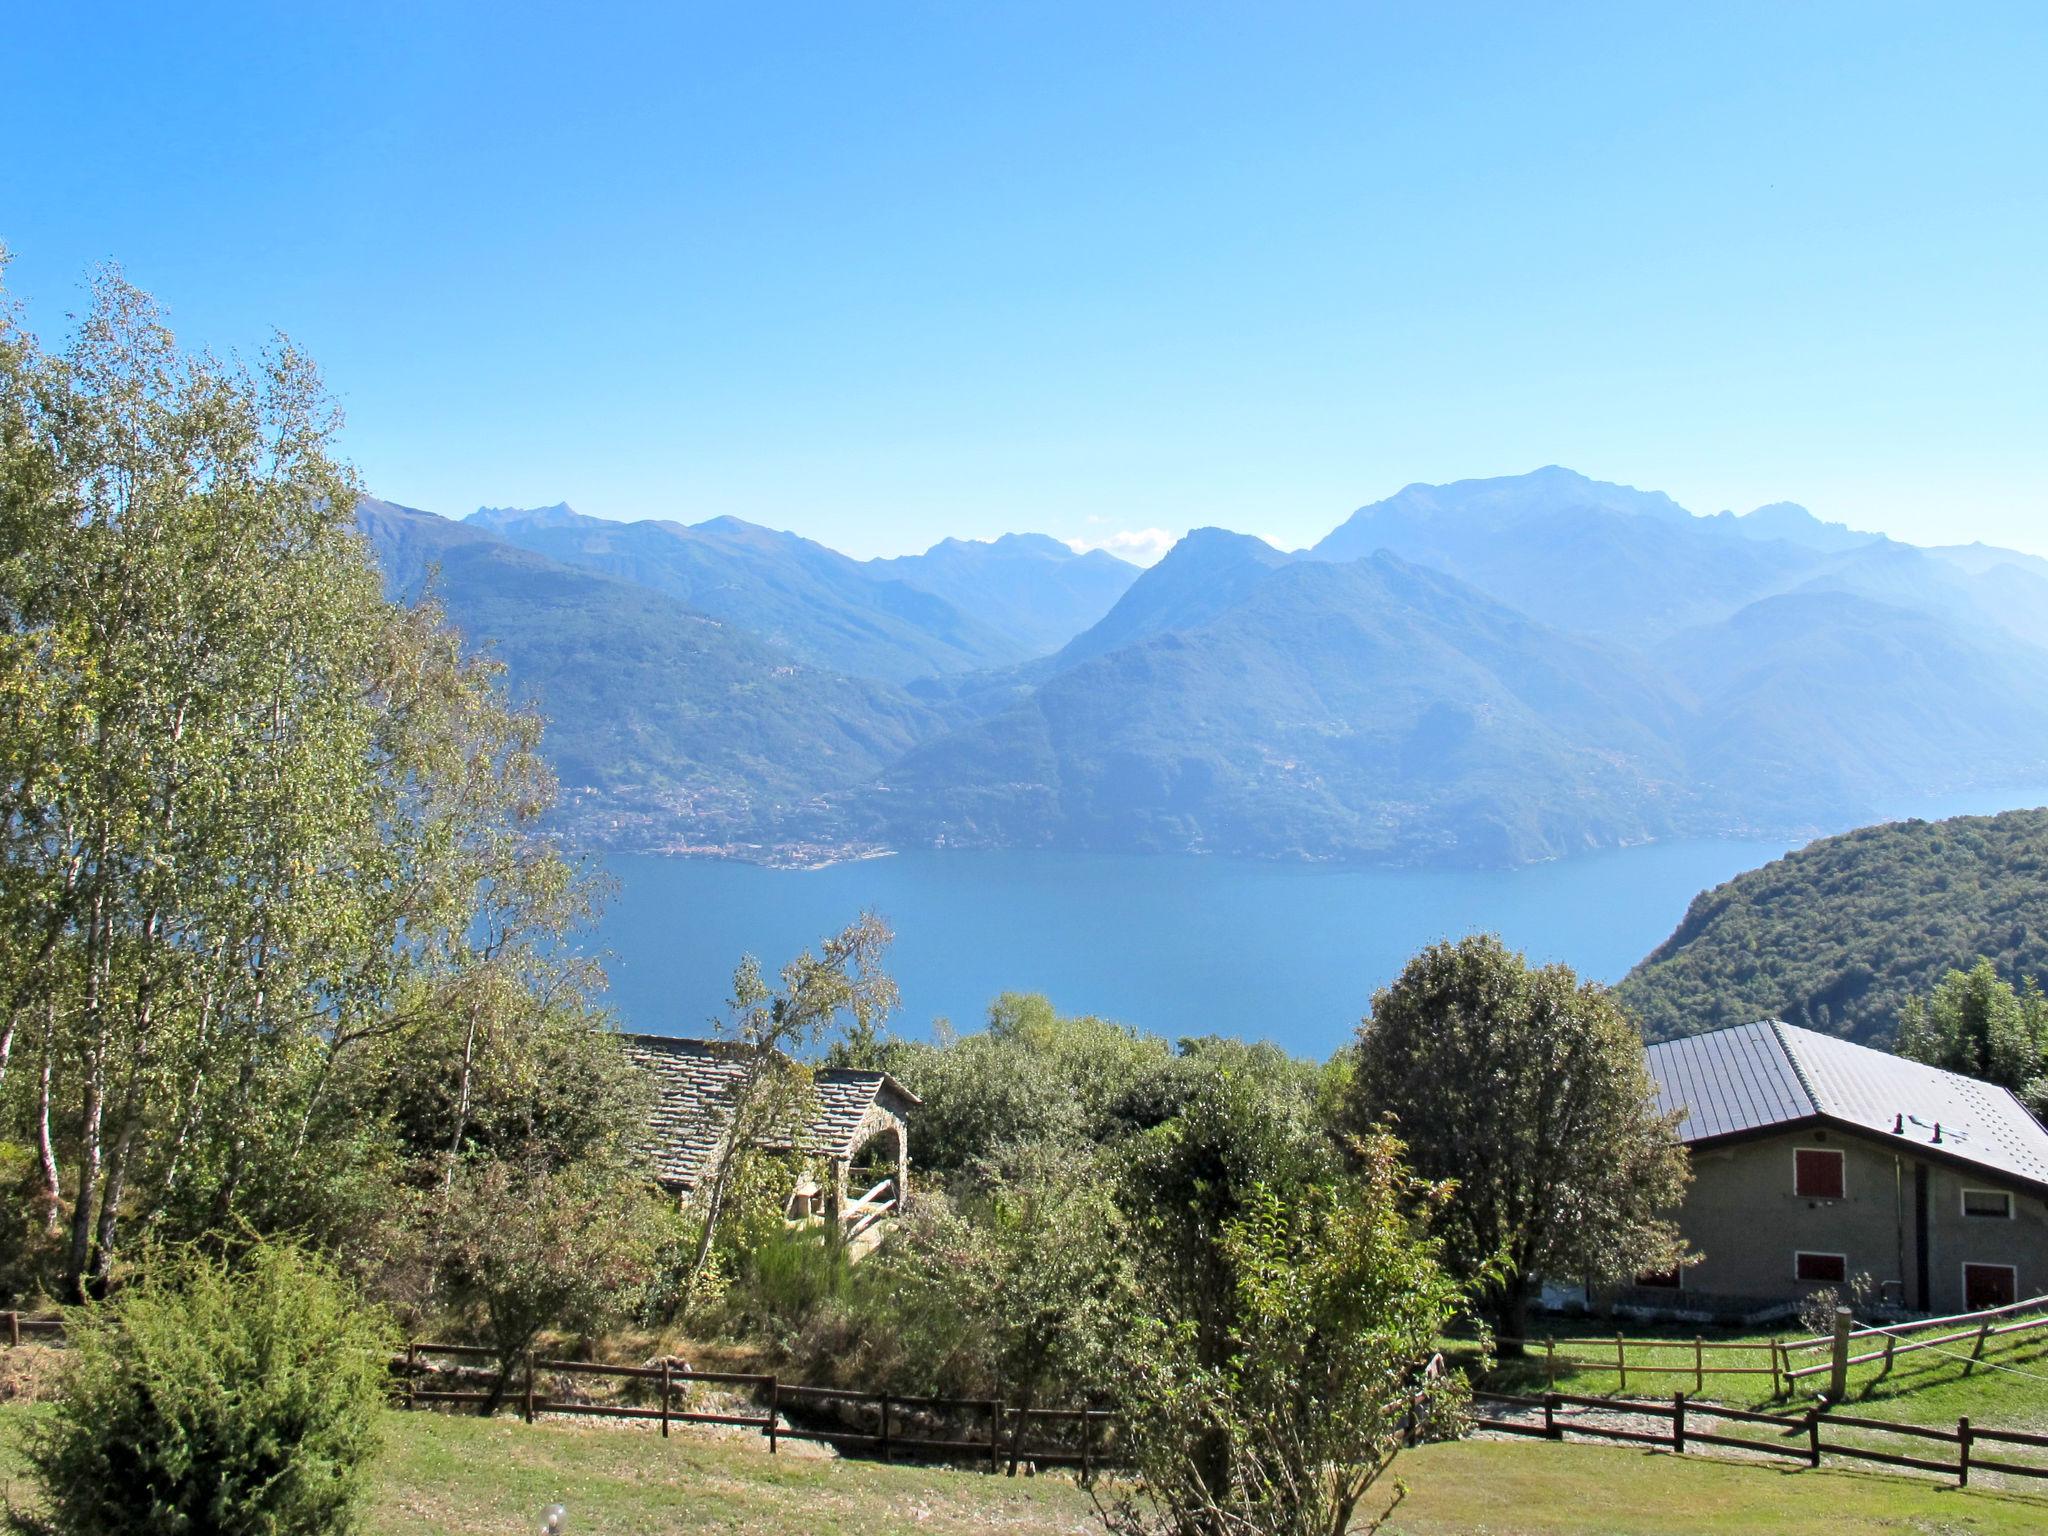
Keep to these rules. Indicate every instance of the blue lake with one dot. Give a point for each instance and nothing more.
(1176, 945)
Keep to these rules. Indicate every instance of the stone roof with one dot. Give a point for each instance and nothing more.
(695, 1082)
(1753, 1077)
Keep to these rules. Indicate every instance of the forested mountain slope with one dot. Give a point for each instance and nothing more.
(1371, 709)
(663, 723)
(1516, 669)
(789, 592)
(1838, 935)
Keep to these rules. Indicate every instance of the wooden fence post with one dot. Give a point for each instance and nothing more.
(1550, 1429)
(1813, 1437)
(529, 1386)
(412, 1372)
(1890, 1340)
(1983, 1333)
(1699, 1364)
(1963, 1452)
(1087, 1429)
(664, 1396)
(1621, 1359)
(1550, 1365)
(14, 1329)
(1777, 1388)
(995, 1435)
(1016, 1438)
(1678, 1422)
(1838, 1376)
(888, 1451)
(774, 1410)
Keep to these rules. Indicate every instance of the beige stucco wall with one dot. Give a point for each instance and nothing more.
(1742, 1216)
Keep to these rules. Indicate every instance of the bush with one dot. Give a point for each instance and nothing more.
(215, 1399)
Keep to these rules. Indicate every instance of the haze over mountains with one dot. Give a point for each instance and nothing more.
(1488, 672)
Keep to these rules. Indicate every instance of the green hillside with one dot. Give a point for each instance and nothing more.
(662, 722)
(823, 609)
(1839, 934)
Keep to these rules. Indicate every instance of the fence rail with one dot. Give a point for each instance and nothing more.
(18, 1328)
(984, 1430)
(1800, 1437)
(1652, 1357)
(1640, 1358)
(1977, 1330)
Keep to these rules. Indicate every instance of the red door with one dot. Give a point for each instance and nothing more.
(1989, 1285)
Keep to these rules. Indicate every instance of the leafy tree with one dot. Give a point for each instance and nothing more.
(530, 1248)
(1031, 1076)
(1979, 1024)
(1335, 1298)
(271, 886)
(206, 1398)
(1528, 1092)
(1014, 1286)
(845, 983)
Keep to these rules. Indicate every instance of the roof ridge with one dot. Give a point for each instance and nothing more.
(1778, 1028)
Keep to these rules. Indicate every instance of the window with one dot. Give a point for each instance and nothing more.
(1989, 1285)
(1820, 1268)
(1987, 1202)
(1817, 1173)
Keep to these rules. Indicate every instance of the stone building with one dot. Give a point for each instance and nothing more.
(850, 1112)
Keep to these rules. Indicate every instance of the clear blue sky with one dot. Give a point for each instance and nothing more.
(883, 272)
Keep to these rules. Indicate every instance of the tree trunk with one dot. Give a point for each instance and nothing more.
(462, 1102)
(46, 1148)
(88, 1183)
(1511, 1318)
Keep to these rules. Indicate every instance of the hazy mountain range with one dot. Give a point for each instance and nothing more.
(1492, 671)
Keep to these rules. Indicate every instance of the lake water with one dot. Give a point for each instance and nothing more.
(1177, 945)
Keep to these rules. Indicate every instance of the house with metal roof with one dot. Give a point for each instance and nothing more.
(1816, 1161)
(848, 1116)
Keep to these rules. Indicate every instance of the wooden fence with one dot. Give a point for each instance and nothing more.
(1783, 1358)
(1801, 1437)
(1973, 1328)
(16, 1328)
(985, 1431)
(1652, 1357)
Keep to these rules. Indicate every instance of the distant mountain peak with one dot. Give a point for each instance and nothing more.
(556, 516)
(1791, 522)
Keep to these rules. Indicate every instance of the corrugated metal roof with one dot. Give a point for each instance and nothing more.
(1754, 1076)
(696, 1082)
(1736, 1079)
(1979, 1121)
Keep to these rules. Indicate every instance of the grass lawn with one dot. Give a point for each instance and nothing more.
(463, 1476)
(1503, 1488)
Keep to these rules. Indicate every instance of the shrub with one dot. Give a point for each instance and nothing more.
(215, 1399)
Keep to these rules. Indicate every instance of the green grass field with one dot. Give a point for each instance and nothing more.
(468, 1477)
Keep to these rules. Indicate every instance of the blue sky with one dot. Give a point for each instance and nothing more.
(886, 272)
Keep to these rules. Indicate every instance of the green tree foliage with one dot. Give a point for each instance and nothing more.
(1527, 1091)
(1012, 1287)
(1979, 1024)
(535, 1247)
(216, 1399)
(1334, 1295)
(1031, 1075)
(1837, 936)
(277, 929)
